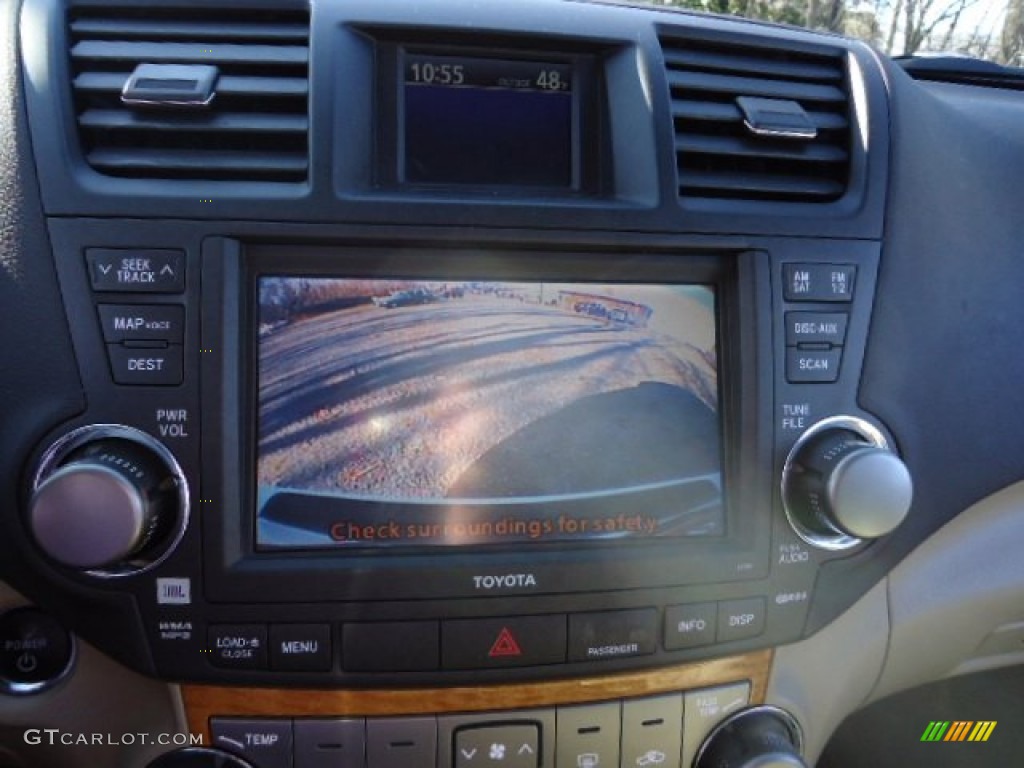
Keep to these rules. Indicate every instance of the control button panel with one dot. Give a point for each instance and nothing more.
(36, 652)
(264, 742)
(136, 270)
(819, 282)
(662, 731)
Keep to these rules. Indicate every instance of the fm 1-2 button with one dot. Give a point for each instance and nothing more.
(819, 282)
(35, 651)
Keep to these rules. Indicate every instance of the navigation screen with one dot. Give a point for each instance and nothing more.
(425, 413)
(487, 121)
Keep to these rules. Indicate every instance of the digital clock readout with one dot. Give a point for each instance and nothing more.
(488, 73)
(487, 121)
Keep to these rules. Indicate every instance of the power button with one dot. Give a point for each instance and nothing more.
(36, 652)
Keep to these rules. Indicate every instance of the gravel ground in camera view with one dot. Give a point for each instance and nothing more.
(400, 403)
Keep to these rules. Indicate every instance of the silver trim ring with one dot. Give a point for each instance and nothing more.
(839, 540)
(791, 723)
(51, 459)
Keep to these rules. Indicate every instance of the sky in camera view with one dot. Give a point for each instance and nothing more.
(989, 29)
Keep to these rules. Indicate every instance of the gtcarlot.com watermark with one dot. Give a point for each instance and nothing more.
(54, 737)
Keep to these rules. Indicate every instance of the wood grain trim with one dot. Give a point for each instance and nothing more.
(202, 702)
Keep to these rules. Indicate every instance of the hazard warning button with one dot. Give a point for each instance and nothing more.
(516, 641)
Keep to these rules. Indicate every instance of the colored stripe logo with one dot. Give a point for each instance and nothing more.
(958, 730)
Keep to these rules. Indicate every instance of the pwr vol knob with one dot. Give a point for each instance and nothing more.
(109, 500)
(842, 484)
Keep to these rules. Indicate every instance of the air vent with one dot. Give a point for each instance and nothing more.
(255, 127)
(719, 155)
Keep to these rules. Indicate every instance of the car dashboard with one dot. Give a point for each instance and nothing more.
(521, 385)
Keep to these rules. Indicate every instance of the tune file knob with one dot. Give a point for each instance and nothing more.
(107, 498)
(759, 737)
(842, 484)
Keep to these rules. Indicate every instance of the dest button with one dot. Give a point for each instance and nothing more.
(154, 367)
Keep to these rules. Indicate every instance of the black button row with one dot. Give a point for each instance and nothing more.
(815, 340)
(465, 644)
(144, 341)
(691, 626)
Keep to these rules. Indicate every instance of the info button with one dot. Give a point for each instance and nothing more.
(690, 626)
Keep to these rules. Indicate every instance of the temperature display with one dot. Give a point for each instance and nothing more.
(484, 121)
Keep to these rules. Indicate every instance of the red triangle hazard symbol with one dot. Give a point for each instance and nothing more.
(505, 645)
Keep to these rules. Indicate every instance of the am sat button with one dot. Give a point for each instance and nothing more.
(301, 647)
(146, 366)
(238, 646)
(740, 619)
(136, 270)
(819, 282)
(143, 322)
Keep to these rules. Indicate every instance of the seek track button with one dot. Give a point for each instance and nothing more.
(145, 270)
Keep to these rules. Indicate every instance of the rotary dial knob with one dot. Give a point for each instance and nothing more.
(760, 737)
(110, 498)
(842, 485)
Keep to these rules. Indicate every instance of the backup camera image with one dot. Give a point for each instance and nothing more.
(429, 412)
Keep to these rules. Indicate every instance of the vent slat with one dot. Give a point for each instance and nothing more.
(156, 52)
(119, 161)
(691, 59)
(717, 112)
(752, 86)
(112, 120)
(777, 150)
(112, 83)
(751, 184)
(256, 128)
(718, 157)
(134, 29)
